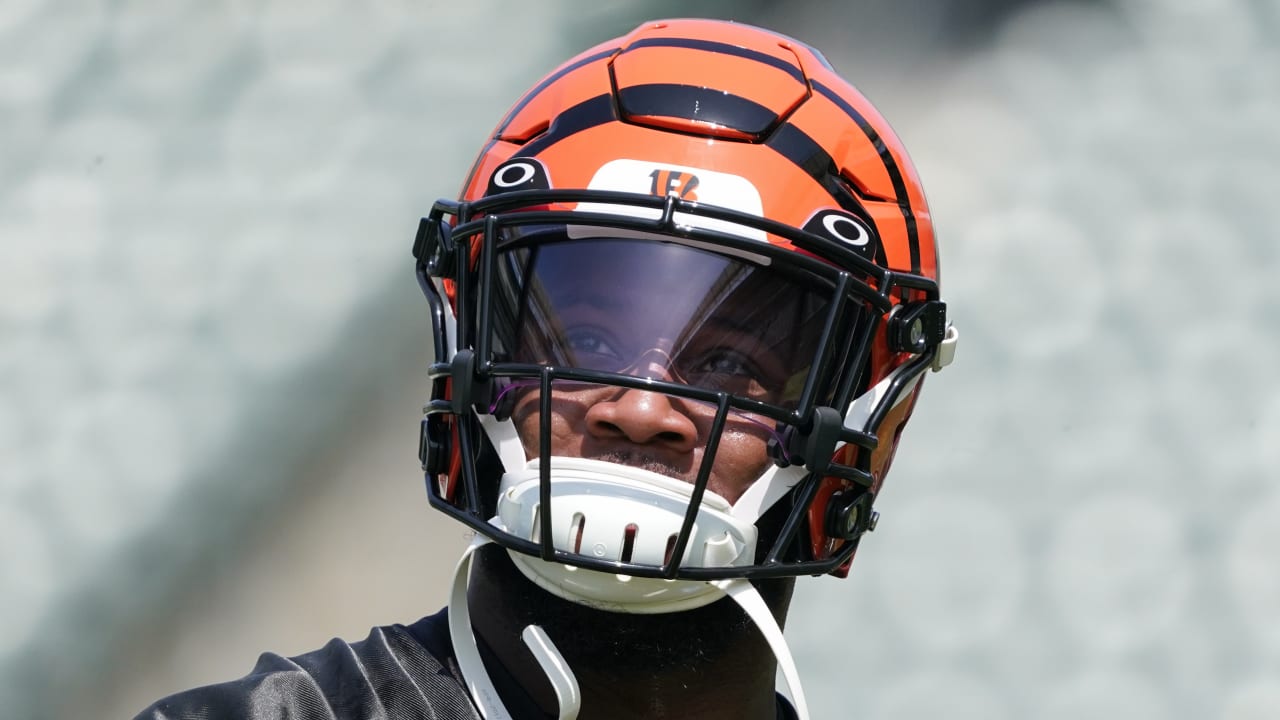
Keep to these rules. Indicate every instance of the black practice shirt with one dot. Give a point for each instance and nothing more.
(398, 672)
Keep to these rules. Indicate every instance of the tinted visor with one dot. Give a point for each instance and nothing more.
(656, 309)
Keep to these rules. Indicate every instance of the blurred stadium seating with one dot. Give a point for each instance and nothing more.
(211, 345)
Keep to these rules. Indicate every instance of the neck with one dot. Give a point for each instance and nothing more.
(707, 663)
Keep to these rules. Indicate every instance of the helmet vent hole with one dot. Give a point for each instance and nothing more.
(575, 531)
(671, 546)
(628, 541)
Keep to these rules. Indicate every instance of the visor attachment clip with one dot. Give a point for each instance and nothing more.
(433, 246)
(467, 388)
(813, 449)
(849, 514)
(433, 445)
(915, 327)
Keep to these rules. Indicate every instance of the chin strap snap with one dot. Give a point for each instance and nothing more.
(553, 664)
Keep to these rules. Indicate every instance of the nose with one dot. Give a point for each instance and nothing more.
(644, 418)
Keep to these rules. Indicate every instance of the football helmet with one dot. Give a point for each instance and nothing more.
(702, 213)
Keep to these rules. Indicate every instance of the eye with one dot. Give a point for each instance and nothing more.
(592, 348)
(589, 340)
(730, 370)
(724, 361)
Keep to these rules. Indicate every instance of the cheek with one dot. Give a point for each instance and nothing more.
(566, 415)
(740, 459)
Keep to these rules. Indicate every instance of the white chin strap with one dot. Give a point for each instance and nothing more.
(468, 653)
(553, 664)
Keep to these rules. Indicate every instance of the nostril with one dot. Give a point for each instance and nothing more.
(643, 417)
(605, 428)
(609, 428)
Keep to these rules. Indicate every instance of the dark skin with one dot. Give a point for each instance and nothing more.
(710, 662)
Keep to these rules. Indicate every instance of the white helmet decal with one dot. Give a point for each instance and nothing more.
(689, 183)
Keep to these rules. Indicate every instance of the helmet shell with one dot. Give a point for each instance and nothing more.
(680, 103)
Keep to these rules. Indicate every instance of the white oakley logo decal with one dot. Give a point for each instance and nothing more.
(833, 224)
(503, 178)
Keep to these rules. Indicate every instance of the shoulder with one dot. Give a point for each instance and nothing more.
(397, 671)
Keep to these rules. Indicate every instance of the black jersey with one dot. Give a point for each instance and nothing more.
(397, 672)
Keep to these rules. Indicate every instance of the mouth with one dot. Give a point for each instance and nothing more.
(644, 461)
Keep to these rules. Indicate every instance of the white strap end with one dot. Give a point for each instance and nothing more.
(557, 670)
(946, 349)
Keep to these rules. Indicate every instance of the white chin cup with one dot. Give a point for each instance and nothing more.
(595, 506)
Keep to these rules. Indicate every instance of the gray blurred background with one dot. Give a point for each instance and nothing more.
(212, 348)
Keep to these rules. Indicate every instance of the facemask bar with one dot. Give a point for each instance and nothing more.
(440, 255)
(547, 551)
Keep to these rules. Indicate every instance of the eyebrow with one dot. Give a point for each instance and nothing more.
(732, 322)
(577, 296)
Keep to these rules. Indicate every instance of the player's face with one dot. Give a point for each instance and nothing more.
(649, 430)
(669, 313)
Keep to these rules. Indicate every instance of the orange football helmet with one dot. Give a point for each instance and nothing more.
(706, 210)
